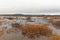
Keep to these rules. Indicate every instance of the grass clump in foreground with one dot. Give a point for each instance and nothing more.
(1, 32)
(32, 31)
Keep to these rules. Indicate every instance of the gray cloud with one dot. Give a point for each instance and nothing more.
(29, 6)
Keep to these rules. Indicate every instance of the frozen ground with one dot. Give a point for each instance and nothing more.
(18, 35)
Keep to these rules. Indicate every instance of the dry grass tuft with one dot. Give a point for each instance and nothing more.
(33, 31)
(2, 20)
(16, 25)
(55, 37)
(1, 32)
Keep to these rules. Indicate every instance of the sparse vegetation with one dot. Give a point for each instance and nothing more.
(16, 25)
(28, 18)
(2, 20)
(12, 30)
(1, 32)
(10, 18)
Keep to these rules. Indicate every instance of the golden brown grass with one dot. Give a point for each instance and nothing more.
(55, 37)
(1, 20)
(33, 31)
(1, 32)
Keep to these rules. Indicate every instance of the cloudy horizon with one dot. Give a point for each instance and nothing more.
(30, 6)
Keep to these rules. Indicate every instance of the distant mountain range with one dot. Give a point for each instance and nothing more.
(11, 14)
(24, 15)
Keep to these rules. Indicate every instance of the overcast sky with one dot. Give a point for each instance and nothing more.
(29, 6)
